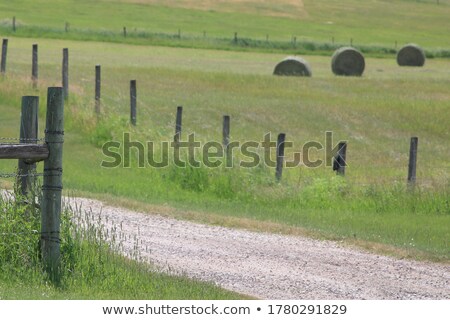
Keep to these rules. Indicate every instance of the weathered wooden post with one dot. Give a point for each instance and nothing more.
(65, 73)
(125, 32)
(412, 162)
(52, 185)
(34, 66)
(280, 156)
(4, 55)
(226, 132)
(339, 162)
(14, 24)
(98, 83)
(178, 124)
(235, 37)
(29, 135)
(133, 102)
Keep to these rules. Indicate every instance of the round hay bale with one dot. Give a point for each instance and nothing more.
(411, 55)
(293, 66)
(347, 61)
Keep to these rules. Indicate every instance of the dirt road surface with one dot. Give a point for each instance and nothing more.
(270, 266)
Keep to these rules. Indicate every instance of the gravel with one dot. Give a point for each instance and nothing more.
(271, 266)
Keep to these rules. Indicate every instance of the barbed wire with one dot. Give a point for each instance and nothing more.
(18, 175)
(21, 139)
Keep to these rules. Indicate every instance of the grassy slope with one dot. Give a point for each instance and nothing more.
(367, 23)
(212, 83)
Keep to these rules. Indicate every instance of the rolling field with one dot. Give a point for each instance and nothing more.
(374, 25)
(376, 114)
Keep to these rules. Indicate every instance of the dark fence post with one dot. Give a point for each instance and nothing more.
(133, 102)
(339, 162)
(226, 132)
(412, 161)
(65, 73)
(178, 124)
(280, 156)
(4, 55)
(235, 37)
(14, 24)
(52, 186)
(34, 66)
(98, 83)
(125, 32)
(28, 134)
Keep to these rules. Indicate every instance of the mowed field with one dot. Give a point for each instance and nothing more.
(368, 23)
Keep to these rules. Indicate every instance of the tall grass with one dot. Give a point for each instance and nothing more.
(218, 43)
(90, 267)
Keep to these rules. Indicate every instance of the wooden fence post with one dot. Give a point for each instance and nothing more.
(98, 83)
(280, 156)
(133, 102)
(52, 185)
(178, 124)
(339, 162)
(226, 133)
(125, 32)
(14, 24)
(4, 55)
(412, 162)
(34, 66)
(65, 73)
(235, 37)
(28, 134)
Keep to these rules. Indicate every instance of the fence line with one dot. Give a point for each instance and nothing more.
(51, 153)
(339, 162)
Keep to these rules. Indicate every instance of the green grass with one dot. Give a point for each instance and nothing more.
(377, 114)
(91, 267)
(374, 26)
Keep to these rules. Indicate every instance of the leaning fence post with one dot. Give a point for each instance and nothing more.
(339, 162)
(28, 134)
(65, 73)
(178, 124)
(133, 102)
(226, 132)
(4, 54)
(280, 156)
(412, 161)
(34, 66)
(52, 185)
(98, 83)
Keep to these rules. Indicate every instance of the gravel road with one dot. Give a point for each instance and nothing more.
(270, 266)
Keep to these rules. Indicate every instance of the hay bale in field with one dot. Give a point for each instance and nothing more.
(347, 61)
(411, 55)
(293, 66)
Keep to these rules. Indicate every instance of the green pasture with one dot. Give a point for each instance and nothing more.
(375, 26)
(377, 114)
